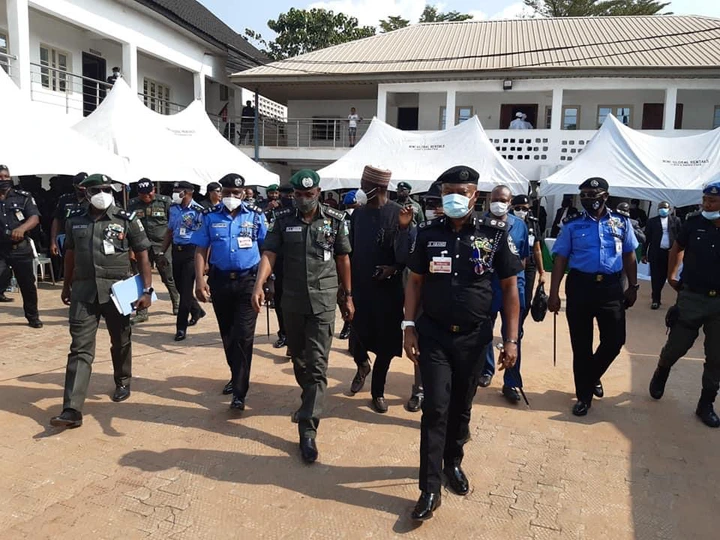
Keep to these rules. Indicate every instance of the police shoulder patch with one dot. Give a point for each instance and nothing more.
(431, 223)
(24, 193)
(337, 214)
(74, 212)
(493, 223)
(573, 217)
(127, 216)
(255, 208)
(284, 213)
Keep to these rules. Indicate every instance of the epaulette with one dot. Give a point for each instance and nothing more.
(620, 213)
(431, 223)
(210, 210)
(163, 198)
(691, 215)
(285, 212)
(76, 212)
(127, 216)
(23, 193)
(196, 205)
(337, 214)
(573, 218)
(492, 222)
(255, 208)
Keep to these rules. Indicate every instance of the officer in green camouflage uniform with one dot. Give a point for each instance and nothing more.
(153, 210)
(98, 241)
(314, 243)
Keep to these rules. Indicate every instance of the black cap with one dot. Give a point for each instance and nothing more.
(79, 177)
(4, 168)
(184, 185)
(595, 183)
(459, 175)
(623, 209)
(145, 186)
(435, 191)
(232, 180)
(286, 188)
(214, 186)
(520, 199)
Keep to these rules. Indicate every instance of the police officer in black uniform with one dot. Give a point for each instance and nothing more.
(534, 264)
(18, 216)
(67, 203)
(451, 268)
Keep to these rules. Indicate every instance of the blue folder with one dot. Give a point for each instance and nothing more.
(126, 292)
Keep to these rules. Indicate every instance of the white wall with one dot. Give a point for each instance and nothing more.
(698, 108)
(180, 81)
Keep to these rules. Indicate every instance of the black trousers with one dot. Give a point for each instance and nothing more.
(450, 365)
(184, 275)
(658, 272)
(236, 319)
(589, 300)
(22, 263)
(380, 368)
(278, 297)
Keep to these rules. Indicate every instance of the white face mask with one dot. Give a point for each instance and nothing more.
(498, 209)
(102, 201)
(430, 214)
(521, 214)
(362, 197)
(177, 197)
(231, 203)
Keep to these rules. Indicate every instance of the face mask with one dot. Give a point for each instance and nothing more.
(664, 212)
(430, 214)
(5, 185)
(712, 216)
(306, 205)
(177, 197)
(521, 214)
(498, 209)
(231, 203)
(456, 206)
(102, 201)
(592, 205)
(362, 197)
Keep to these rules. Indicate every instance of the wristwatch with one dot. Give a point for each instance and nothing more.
(348, 293)
(513, 341)
(148, 291)
(635, 287)
(407, 324)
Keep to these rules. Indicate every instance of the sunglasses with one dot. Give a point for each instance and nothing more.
(96, 190)
(591, 194)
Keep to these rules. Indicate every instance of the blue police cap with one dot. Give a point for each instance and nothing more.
(713, 188)
(349, 197)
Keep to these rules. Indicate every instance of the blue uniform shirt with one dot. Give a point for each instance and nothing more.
(235, 242)
(184, 221)
(596, 246)
(518, 234)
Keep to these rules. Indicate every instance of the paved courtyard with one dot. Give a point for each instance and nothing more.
(174, 462)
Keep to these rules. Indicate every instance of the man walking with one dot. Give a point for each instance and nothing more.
(661, 232)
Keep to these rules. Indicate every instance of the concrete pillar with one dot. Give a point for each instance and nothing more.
(382, 104)
(450, 109)
(670, 106)
(199, 83)
(18, 18)
(557, 106)
(129, 67)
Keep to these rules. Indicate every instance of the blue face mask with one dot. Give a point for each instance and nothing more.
(712, 216)
(456, 206)
(664, 212)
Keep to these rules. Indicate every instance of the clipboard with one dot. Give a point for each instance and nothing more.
(126, 292)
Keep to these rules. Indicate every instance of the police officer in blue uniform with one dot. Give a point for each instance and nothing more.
(451, 268)
(214, 196)
(185, 218)
(234, 235)
(596, 245)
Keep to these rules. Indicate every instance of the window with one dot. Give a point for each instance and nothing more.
(571, 117)
(224, 93)
(548, 117)
(716, 117)
(324, 129)
(461, 114)
(4, 60)
(157, 96)
(54, 65)
(622, 112)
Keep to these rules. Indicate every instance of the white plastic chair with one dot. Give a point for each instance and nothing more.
(40, 261)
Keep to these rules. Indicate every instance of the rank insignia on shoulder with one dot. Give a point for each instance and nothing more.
(337, 214)
(74, 212)
(283, 213)
(127, 216)
(495, 223)
(573, 217)
(431, 222)
(23, 193)
(255, 209)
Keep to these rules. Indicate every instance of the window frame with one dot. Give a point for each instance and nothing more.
(157, 97)
(564, 113)
(613, 111)
(322, 128)
(442, 123)
(52, 76)
(716, 118)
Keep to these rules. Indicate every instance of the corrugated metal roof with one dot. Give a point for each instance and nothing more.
(520, 44)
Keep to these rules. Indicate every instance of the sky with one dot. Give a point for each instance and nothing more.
(239, 16)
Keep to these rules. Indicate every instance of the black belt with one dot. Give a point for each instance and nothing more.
(598, 278)
(705, 291)
(184, 247)
(457, 328)
(234, 274)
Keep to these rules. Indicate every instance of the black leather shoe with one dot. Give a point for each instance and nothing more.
(511, 394)
(308, 450)
(345, 332)
(180, 335)
(655, 305)
(4, 298)
(414, 404)
(69, 418)
(295, 417)
(658, 381)
(581, 408)
(280, 343)
(457, 481)
(237, 404)
(195, 318)
(228, 389)
(485, 380)
(121, 393)
(706, 413)
(359, 380)
(35, 323)
(380, 405)
(426, 505)
(598, 390)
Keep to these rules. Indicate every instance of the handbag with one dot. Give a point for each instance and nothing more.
(539, 306)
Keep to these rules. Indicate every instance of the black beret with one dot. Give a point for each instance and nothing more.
(435, 191)
(520, 199)
(183, 185)
(4, 168)
(459, 175)
(213, 186)
(595, 183)
(145, 186)
(232, 180)
(79, 177)
(287, 188)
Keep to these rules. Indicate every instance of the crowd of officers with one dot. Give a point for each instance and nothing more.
(431, 281)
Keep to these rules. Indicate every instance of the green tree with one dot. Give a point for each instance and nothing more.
(301, 31)
(431, 14)
(393, 23)
(594, 8)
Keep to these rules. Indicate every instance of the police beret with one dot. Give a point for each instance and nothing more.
(145, 186)
(595, 183)
(78, 178)
(623, 209)
(232, 180)
(404, 185)
(95, 180)
(713, 188)
(272, 187)
(213, 186)
(435, 191)
(520, 199)
(183, 185)
(459, 175)
(349, 197)
(305, 179)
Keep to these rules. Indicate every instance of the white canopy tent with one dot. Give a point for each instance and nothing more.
(642, 166)
(184, 146)
(33, 143)
(419, 158)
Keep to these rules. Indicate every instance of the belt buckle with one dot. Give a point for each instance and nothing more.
(599, 277)
(179, 248)
(712, 294)
(233, 275)
(454, 329)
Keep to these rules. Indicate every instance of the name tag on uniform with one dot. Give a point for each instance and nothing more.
(183, 231)
(436, 244)
(79, 227)
(618, 245)
(531, 239)
(326, 255)
(293, 229)
(108, 248)
(158, 213)
(441, 265)
(244, 242)
(19, 215)
(220, 225)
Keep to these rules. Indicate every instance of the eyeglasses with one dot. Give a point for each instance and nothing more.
(96, 190)
(591, 194)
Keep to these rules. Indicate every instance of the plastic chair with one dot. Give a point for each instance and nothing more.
(40, 261)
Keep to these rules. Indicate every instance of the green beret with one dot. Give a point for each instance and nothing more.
(404, 185)
(273, 187)
(95, 180)
(305, 179)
